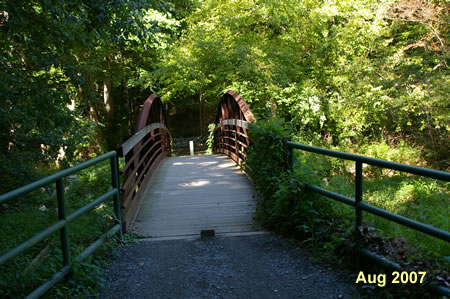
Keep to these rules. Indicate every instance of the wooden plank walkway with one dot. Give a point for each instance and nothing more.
(193, 193)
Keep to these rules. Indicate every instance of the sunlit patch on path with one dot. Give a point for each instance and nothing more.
(188, 194)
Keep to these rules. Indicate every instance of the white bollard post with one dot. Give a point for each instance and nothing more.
(191, 147)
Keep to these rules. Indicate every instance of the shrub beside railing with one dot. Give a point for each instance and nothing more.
(292, 191)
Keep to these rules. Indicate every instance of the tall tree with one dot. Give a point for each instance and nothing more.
(60, 62)
(342, 71)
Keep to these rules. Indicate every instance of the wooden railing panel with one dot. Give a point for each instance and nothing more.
(230, 133)
(138, 136)
(143, 152)
(231, 139)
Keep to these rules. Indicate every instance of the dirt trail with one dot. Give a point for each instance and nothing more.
(251, 266)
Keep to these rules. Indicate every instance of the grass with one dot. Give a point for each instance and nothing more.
(26, 216)
(419, 198)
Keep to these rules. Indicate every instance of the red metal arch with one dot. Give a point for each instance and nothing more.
(230, 134)
(152, 112)
(233, 106)
(143, 152)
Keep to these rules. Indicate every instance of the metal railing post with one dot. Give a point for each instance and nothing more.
(289, 153)
(358, 197)
(291, 157)
(358, 210)
(65, 246)
(115, 184)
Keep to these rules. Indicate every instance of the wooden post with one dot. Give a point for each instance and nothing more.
(191, 147)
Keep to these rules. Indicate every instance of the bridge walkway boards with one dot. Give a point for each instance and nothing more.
(193, 193)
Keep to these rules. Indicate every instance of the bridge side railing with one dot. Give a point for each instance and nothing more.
(143, 152)
(64, 219)
(360, 206)
(231, 139)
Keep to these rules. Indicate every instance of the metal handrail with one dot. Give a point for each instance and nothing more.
(357, 202)
(431, 173)
(64, 219)
(360, 206)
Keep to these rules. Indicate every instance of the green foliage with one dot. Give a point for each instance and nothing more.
(421, 199)
(25, 217)
(345, 72)
(349, 72)
(210, 140)
(67, 70)
(266, 158)
(287, 206)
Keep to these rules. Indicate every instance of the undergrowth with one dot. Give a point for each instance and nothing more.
(26, 216)
(328, 226)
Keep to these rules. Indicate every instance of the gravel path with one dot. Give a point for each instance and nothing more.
(252, 266)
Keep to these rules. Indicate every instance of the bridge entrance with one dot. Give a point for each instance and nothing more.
(177, 196)
(193, 193)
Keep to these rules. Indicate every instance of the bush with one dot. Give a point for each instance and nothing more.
(265, 156)
(287, 206)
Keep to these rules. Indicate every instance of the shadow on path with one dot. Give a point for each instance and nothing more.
(252, 266)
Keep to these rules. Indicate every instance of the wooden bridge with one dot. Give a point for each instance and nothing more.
(189, 194)
(175, 196)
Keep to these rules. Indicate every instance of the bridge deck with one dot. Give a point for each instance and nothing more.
(189, 194)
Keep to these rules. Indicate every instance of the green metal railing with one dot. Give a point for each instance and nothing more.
(64, 219)
(361, 206)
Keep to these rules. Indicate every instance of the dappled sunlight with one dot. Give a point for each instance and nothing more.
(204, 172)
(194, 157)
(183, 163)
(224, 182)
(226, 165)
(193, 194)
(197, 183)
(206, 163)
